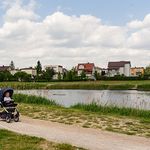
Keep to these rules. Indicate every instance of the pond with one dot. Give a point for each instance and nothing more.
(120, 98)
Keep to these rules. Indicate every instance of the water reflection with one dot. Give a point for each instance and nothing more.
(125, 98)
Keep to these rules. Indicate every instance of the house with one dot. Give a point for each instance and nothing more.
(119, 68)
(58, 69)
(104, 71)
(98, 70)
(5, 68)
(14, 71)
(32, 71)
(137, 71)
(88, 68)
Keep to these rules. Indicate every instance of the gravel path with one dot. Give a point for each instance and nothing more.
(87, 138)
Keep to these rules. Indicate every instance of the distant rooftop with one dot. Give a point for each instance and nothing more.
(116, 65)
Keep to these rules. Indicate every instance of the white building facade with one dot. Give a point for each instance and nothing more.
(119, 68)
(30, 70)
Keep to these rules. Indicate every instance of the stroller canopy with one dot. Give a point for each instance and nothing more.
(5, 90)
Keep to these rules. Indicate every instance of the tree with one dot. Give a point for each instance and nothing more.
(69, 76)
(147, 71)
(83, 75)
(22, 76)
(39, 67)
(97, 75)
(12, 65)
(48, 74)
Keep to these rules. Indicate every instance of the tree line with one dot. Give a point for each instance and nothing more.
(70, 75)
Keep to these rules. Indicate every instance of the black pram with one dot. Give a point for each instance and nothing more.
(9, 110)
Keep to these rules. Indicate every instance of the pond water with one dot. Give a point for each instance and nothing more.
(123, 98)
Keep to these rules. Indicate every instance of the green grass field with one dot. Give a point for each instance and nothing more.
(12, 141)
(91, 85)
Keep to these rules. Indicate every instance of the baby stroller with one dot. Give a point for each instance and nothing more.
(9, 110)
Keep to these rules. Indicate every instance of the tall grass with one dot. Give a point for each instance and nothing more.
(88, 86)
(23, 85)
(21, 98)
(94, 107)
(144, 87)
(93, 85)
(121, 87)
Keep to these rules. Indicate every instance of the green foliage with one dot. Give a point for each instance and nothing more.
(6, 76)
(94, 107)
(71, 75)
(83, 75)
(21, 98)
(97, 75)
(121, 87)
(48, 74)
(147, 71)
(39, 67)
(22, 76)
(144, 87)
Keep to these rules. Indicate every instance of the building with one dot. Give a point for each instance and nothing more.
(88, 68)
(30, 70)
(119, 68)
(14, 71)
(104, 72)
(5, 68)
(137, 71)
(58, 69)
(98, 70)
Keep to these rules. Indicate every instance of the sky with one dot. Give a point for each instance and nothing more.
(68, 32)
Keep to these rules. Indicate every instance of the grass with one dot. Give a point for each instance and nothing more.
(122, 120)
(12, 141)
(93, 107)
(91, 85)
(33, 100)
(144, 87)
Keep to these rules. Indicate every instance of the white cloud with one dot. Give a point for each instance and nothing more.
(67, 40)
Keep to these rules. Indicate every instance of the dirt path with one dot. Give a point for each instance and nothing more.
(87, 138)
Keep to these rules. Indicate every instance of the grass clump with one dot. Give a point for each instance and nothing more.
(94, 107)
(30, 99)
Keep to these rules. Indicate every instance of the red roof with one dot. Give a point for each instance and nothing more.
(87, 67)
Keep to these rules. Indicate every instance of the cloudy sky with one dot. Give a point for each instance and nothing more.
(68, 32)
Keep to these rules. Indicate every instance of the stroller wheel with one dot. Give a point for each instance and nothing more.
(8, 118)
(16, 117)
